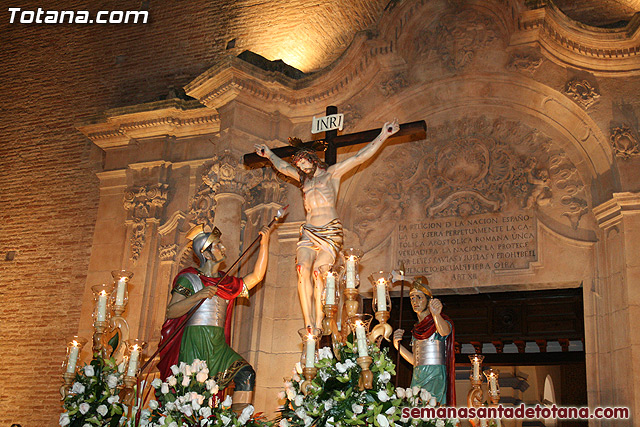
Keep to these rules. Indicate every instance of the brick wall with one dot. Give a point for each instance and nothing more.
(55, 76)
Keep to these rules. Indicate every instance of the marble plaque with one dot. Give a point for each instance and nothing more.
(467, 249)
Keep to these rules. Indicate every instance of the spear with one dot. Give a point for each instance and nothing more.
(401, 271)
(278, 216)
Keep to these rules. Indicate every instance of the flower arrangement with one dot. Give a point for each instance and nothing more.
(190, 397)
(334, 399)
(94, 400)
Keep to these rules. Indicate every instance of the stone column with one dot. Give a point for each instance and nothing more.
(613, 365)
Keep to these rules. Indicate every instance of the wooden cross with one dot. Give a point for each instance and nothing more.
(413, 131)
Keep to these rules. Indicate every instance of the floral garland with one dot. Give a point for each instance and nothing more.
(93, 399)
(190, 397)
(334, 398)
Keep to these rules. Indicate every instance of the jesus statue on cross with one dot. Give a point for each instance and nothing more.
(321, 235)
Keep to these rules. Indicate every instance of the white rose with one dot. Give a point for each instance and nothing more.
(425, 395)
(325, 353)
(89, 371)
(205, 412)
(172, 381)
(382, 420)
(173, 424)
(330, 421)
(432, 401)
(227, 401)
(299, 399)
(349, 363)
(185, 381)
(156, 383)
(400, 392)
(383, 396)
(328, 404)
(102, 410)
(64, 419)
(439, 423)
(164, 388)
(385, 377)
(187, 410)
(202, 376)
(342, 368)
(416, 390)
(84, 408)
(175, 370)
(112, 381)
(283, 423)
(357, 409)
(171, 406)
(245, 415)
(225, 420)
(153, 405)
(77, 388)
(188, 371)
(391, 410)
(408, 393)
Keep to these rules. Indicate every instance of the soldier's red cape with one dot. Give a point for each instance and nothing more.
(229, 290)
(422, 331)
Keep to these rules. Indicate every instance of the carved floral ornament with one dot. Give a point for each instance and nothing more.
(469, 167)
(582, 92)
(142, 203)
(456, 37)
(224, 174)
(624, 142)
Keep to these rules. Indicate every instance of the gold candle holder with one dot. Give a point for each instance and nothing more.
(351, 303)
(329, 324)
(128, 394)
(365, 382)
(475, 397)
(74, 347)
(98, 335)
(68, 380)
(309, 374)
(494, 391)
(120, 294)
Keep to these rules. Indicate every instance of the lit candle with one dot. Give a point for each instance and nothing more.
(133, 361)
(351, 272)
(311, 352)
(381, 295)
(476, 368)
(331, 289)
(73, 357)
(102, 307)
(121, 287)
(362, 340)
(493, 383)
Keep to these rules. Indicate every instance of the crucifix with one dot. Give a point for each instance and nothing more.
(413, 131)
(321, 235)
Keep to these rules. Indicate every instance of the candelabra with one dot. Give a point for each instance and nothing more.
(475, 397)
(100, 315)
(134, 352)
(360, 323)
(74, 347)
(381, 305)
(119, 299)
(310, 337)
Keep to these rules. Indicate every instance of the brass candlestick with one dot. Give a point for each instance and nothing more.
(351, 303)
(382, 329)
(309, 374)
(494, 392)
(100, 327)
(329, 324)
(365, 382)
(68, 378)
(128, 394)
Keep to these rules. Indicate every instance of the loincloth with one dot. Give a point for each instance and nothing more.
(326, 238)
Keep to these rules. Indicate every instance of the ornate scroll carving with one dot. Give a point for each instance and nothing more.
(523, 62)
(470, 167)
(224, 174)
(168, 252)
(582, 92)
(393, 85)
(624, 142)
(142, 203)
(456, 37)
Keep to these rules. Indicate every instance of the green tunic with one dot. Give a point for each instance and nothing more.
(432, 378)
(208, 343)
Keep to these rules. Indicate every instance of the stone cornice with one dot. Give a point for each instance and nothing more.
(570, 43)
(609, 213)
(234, 78)
(164, 118)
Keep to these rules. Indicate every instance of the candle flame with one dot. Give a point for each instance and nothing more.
(309, 337)
(135, 347)
(103, 293)
(352, 257)
(75, 343)
(330, 274)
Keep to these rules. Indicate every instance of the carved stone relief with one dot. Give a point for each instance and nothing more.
(142, 203)
(225, 174)
(456, 37)
(474, 166)
(523, 62)
(624, 142)
(168, 252)
(393, 84)
(582, 92)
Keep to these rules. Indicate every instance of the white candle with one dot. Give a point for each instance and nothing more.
(73, 357)
(331, 289)
(133, 361)
(476, 368)
(493, 384)
(102, 307)
(381, 295)
(121, 287)
(351, 272)
(362, 340)
(311, 352)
